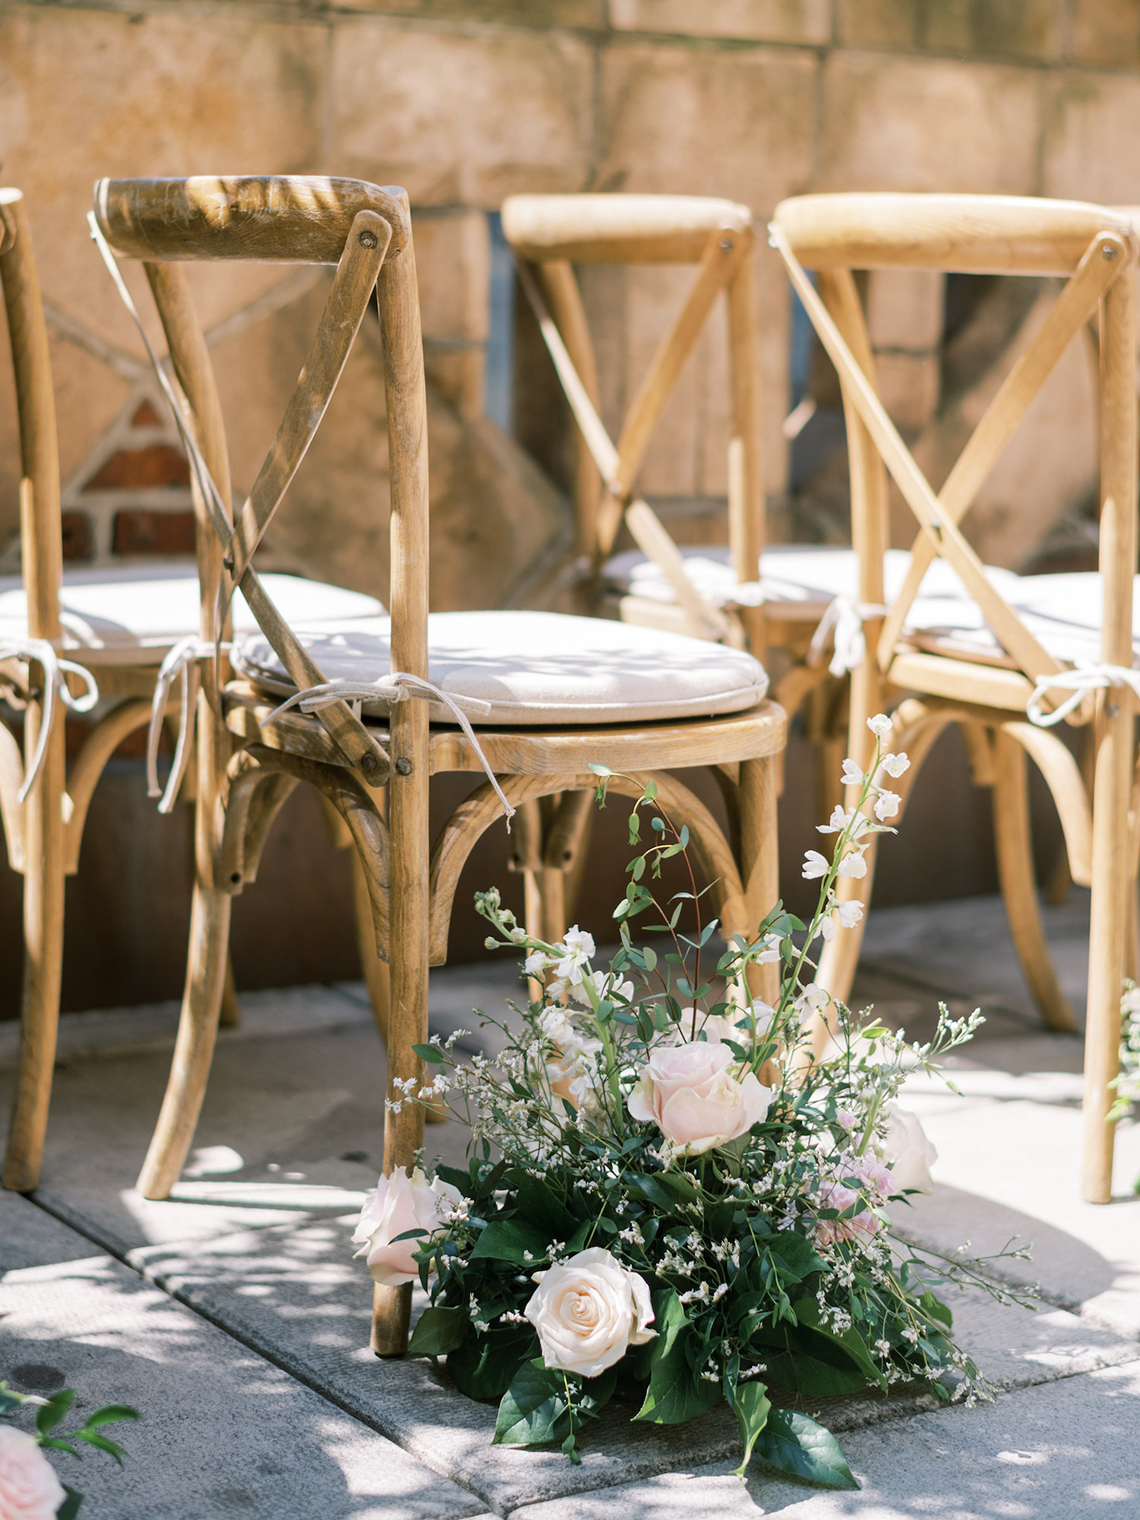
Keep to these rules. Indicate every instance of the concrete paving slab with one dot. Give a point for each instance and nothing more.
(962, 949)
(1010, 1168)
(224, 1431)
(1065, 1451)
(294, 1293)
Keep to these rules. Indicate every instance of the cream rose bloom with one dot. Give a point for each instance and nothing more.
(397, 1204)
(588, 1311)
(690, 1093)
(907, 1151)
(29, 1488)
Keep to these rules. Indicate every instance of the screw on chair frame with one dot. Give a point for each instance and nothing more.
(1095, 251)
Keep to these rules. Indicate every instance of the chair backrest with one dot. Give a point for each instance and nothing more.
(366, 232)
(40, 523)
(555, 232)
(1091, 247)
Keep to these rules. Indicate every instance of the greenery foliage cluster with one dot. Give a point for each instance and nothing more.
(668, 1196)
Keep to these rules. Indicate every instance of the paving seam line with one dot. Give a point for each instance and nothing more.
(291, 1370)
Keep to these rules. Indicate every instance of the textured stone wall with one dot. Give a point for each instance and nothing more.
(466, 101)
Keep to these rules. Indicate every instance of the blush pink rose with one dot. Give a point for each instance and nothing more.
(693, 1096)
(29, 1488)
(397, 1204)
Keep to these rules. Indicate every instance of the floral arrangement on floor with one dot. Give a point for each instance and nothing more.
(1127, 1084)
(29, 1487)
(667, 1193)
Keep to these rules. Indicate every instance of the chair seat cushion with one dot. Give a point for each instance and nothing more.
(1063, 612)
(535, 668)
(119, 613)
(801, 579)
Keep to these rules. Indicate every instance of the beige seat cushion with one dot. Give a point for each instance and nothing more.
(114, 615)
(800, 579)
(1063, 613)
(536, 668)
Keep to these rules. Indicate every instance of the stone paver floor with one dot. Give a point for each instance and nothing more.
(234, 1316)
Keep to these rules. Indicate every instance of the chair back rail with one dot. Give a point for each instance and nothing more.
(303, 221)
(617, 229)
(1015, 236)
(552, 232)
(971, 234)
(40, 534)
(255, 217)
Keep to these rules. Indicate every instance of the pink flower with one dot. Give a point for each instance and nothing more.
(875, 1186)
(29, 1488)
(690, 1093)
(400, 1203)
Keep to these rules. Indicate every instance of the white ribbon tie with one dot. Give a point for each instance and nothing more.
(1079, 682)
(181, 662)
(846, 617)
(54, 686)
(398, 686)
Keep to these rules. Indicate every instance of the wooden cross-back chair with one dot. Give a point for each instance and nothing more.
(791, 598)
(103, 632)
(549, 694)
(1013, 646)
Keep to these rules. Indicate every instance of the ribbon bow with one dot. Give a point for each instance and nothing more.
(1079, 681)
(846, 618)
(398, 686)
(54, 686)
(181, 662)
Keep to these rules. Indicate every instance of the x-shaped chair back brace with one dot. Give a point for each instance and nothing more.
(1108, 253)
(724, 266)
(364, 230)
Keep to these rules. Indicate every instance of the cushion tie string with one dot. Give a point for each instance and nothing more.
(54, 686)
(846, 617)
(181, 662)
(1079, 682)
(398, 686)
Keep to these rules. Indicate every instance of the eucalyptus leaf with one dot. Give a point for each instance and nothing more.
(793, 1443)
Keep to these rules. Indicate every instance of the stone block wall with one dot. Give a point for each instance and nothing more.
(467, 101)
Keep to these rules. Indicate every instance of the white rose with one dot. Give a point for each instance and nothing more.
(588, 1311)
(400, 1203)
(29, 1488)
(907, 1151)
(690, 1093)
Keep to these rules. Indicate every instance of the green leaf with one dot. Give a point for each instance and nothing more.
(512, 1240)
(54, 1410)
(676, 1392)
(854, 1346)
(793, 1256)
(812, 1376)
(752, 1409)
(533, 1411)
(793, 1443)
(70, 1506)
(937, 1310)
(429, 1053)
(101, 1443)
(540, 1205)
(600, 770)
(439, 1331)
(665, 1189)
(484, 1365)
(112, 1412)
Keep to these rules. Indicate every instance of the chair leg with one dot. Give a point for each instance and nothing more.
(376, 976)
(194, 1050)
(410, 899)
(43, 960)
(1019, 888)
(1111, 905)
(230, 1017)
